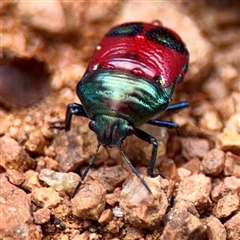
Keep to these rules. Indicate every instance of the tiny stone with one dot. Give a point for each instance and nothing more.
(215, 229)
(105, 217)
(94, 236)
(213, 162)
(233, 227)
(229, 140)
(195, 189)
(226, 205)
(110, 177)
(13, 156)
(46, 162)
(169, 169)
(75, 147)
(133, 233)
(68, 149)
(87, 223)
(113, 198)
(232, 165)
(211, 121)
(117, 211)
(35, 143)
(65, 237)
(193, 165)
(51, 19)
(45, 197)
(220, 88)
(15, 177)
(141, 208)
(183, 216)
(194, 148)
(226, 107)
(84, 236)
(234, 122)
(113, 226)
(89, 202)
(183, 173)
(62, 210)
(31, 180)
(230, 185)
(42, 216)
(66, 182)
(15, 211)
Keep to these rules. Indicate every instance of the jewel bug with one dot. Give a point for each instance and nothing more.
(130, 79)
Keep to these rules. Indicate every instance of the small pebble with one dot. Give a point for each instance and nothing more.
(42, 216)
(211, 121)
(15, 177)
(182, 218)
(89, 202)
(13, 156)
(141, 208)
(66, 182)
(229, 140)
(110, 177)
(195, 189)
(230, 185)
(233, 227)
(106, 216)
(213, 162)
(16, 214)
(113, 198)
(45, 197)
(193, 165)
(232, 165)
(226, 205)
(117, 211)
(215, 229)
(194, 147)
(31, 180)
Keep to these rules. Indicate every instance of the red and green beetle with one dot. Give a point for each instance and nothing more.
(129, 80)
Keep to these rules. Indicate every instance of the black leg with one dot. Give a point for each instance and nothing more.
(169, 124)
(72, 109)
(86, 171)
(151, 140)
(134, 170)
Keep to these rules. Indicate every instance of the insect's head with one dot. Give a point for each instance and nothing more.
(111, 131)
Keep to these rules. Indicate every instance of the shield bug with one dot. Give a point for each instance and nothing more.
(129, 80)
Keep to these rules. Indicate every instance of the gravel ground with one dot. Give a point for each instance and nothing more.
(45, 48)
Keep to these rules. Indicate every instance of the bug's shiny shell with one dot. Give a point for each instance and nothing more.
(130, 78)
(143, 49)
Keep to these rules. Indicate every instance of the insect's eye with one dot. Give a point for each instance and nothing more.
(130, 131)
(91, 125)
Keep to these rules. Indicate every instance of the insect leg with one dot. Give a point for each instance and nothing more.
(86, 171)
(177, 106)
(151, 140)
(163, 123)
(134, 170)
(169, 124)
(72, 109)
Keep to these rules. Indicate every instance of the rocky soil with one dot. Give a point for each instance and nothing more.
(45, 48)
